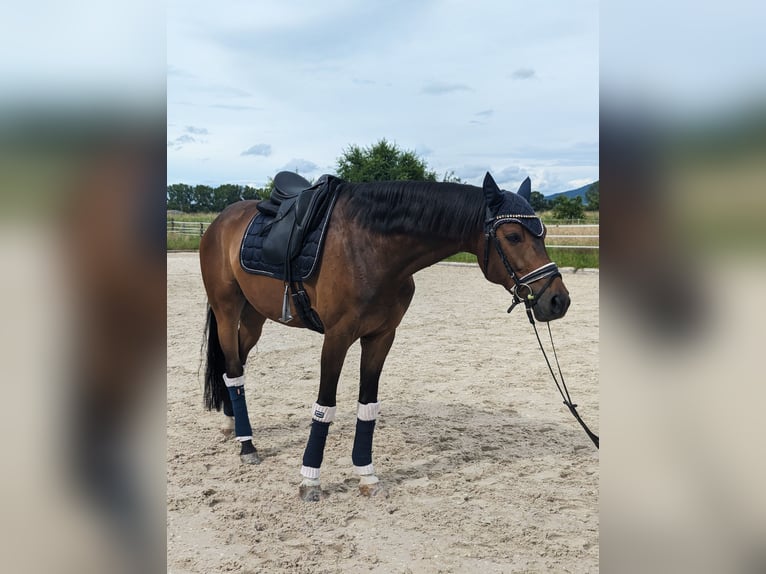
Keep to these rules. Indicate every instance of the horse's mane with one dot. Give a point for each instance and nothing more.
(449, 210)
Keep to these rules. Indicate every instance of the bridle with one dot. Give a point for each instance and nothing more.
(549, 271)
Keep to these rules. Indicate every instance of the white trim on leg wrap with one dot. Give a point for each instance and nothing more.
(310, 472)
(368, 412)
(235, 382)
(365, 470)
(323, 414)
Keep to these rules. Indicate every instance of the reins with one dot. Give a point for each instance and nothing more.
(565, 393)
(549, 271)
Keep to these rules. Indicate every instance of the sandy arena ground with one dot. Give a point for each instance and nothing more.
(487, 470)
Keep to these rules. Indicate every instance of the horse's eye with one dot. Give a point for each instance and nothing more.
(513, 238)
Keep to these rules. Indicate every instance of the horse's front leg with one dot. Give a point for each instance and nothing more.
(374, 352)
(334, 352)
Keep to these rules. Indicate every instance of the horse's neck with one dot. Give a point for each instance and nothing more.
(403, 253)
(410, 254)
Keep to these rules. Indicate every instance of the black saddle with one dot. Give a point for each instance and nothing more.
(294, 204)
(288, 184)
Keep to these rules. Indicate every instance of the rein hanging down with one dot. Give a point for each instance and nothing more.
(549, 271)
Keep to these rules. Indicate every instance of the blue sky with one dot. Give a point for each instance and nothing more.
(505, 86)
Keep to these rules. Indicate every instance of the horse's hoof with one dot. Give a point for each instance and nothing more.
(310, 490)
(373, 490)
(248, 454)
(250, 458)
(371, 487)
(310, 493)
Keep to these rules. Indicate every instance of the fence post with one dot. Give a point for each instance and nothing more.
(200, 229)
(172, 224)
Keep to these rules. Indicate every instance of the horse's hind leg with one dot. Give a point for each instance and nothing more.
(250, 328)
(228, 316)
(374, 352)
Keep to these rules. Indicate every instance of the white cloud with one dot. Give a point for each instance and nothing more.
(440, 88)
(179, 143)
(523, 74)
(303, 166)
(261, 149)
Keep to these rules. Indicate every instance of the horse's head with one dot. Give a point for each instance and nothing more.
(514, 254)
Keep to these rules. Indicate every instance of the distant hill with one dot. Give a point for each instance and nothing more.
(579, 192)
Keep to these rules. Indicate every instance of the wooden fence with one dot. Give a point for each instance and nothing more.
(572, 236)
(195, 228)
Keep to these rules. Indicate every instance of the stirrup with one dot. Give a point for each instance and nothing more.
(286, 315)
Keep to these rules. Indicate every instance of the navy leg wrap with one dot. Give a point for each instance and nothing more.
(239, 407)
(312, 457)
(227, 409)
(361, 455)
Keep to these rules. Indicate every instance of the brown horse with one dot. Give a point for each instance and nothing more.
(378, 236)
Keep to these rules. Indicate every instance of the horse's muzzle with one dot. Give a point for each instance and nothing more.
(553, 305)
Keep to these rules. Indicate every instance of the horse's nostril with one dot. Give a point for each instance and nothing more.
(559, 304)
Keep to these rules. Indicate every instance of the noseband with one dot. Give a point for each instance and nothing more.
(549, 270)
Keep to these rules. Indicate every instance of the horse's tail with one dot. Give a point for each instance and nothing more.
(215, 388)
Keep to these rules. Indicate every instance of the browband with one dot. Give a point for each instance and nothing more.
(517, 217)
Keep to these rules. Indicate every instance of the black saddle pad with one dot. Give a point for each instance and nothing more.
(305, 263)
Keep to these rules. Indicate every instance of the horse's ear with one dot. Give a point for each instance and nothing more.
(525, 189)
(492, 193)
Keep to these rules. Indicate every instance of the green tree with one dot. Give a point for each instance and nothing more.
(255, 192)
(450, 177)
(204, 197)
(568, 207)
(592, 197)
(383, 161)
(538, 202)
(180, 196)
(226, 194)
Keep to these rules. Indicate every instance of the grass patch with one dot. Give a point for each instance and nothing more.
(577, 258)
(462, 258)
(187, 236)
(183, 242)
(204, 217)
